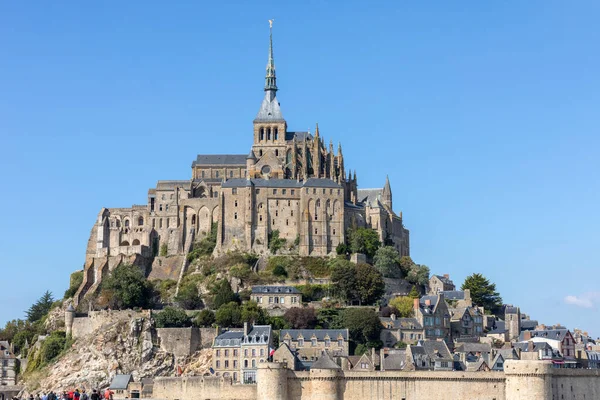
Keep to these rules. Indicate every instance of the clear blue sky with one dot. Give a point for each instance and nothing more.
(484, 114)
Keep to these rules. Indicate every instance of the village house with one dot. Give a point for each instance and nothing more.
(311, 343)
(271, 297)
(468, 354)
(501, 356)
(236, 353)
(559, 339)
(537, 351)
(287, 357)
(458, 298)
(405, 330)
(433, 315)
(440, 283)
(8, 363)
(466, 323)
(432, 355)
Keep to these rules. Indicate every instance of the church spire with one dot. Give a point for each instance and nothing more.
(387, 193)
(271, 79)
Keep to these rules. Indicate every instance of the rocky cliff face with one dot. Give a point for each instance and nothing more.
(121, 348)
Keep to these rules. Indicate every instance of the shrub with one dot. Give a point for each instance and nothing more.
(280, 271)
(222, 294)
(275, 242)
(229, 315)
(205, 319)
(165, 288)
(188, 297)
(206, 246)
(75, 283)
(126, 287)
(164, 249)
(313, 292)
(341, 249)
(172, 318)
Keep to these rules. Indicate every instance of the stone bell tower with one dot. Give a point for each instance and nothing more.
(269, 127)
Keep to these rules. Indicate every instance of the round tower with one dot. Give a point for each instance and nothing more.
(527, 380)
(324, 377)
(271, 381)
(69, 318)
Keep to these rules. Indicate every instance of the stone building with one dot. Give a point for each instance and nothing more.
(271, 297)
(440, 283)
(309, 344)
(289, 182)
(8, 363)
(236, 354)
(406, 330)
(433, 315)
(466, 323)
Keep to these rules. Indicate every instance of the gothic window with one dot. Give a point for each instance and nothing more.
(268, 133)
(260, 218)
(168, 222)
(262, 134)
(334, 231)
(216, 174)
(166, 207)
(273, 221)
(260, 152)
(193, 220)
(140, 221)
(160, 223)
(275, 133)
(289, 203)
(126, 223)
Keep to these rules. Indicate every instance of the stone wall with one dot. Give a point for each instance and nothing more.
(182, 342)
(97, 319)
(201, 388)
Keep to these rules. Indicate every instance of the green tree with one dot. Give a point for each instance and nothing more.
(188, 297)
(275, 242)
(126, 287)
(222, 294)
(343, 277)
(483, 292)
(52, 346)
(253, 314)
(418, 274)
(205, 319)
(229, 315)
(404, 305)
(370, 285)
(406, 264)
(329, 318)
(40, 308)
(172, 317)
(364, 240)
(363, 324)
(387, 261)
(414, 293)
(301, 318)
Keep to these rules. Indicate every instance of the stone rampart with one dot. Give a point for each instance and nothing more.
(202, 388)
(97, 319)
(182, 342)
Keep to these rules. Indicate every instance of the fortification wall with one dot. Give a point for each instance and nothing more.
(97, 319)
(575, 384)
(180, 341)
(201, 388)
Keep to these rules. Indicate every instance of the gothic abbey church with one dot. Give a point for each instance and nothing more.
(289, 182)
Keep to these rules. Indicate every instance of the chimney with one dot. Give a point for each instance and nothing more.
(427, 302)
(530, 346)
(467, 294)
(415, 304)
(373, 357)
(393, 316)
(245, 329)
(526, 335)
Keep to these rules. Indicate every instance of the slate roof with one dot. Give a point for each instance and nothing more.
(473, 348)
(508, 354)
(269, 110)
(528, 324)
(298, 135)
(320, 334)
(370, 196)
(454, 294)
(275, 289)
(325, 362)
(236, 337)
(403, 323)
(500, 327)
(229, 338)
(524, 346)
(220, 159)
(552, 334)
(436, 350)
(511, 310)
(281, 183)
(395, 361)
(445, 280)
(120, 382)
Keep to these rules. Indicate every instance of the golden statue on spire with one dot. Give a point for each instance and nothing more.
(271, 23)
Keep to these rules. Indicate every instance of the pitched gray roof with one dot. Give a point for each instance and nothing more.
(473, 348)
(370, 196)
(120, 382)
(436, 350)
(220, 159)
(269, 110)
(404, 323)
(528, 324)
(325, 362)
(320, 334)
(454, 294)
(554, 334)
(442, 278)
(274, 289)
(395, 361)
(298, 135)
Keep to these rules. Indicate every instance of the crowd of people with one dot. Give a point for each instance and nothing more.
(72, 395)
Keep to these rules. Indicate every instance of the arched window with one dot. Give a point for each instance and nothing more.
(126, 223)
(140, 221)
(216, 174)
(234, 215)
(262, 134)
(260, 153)
(253, 363)
(275, 133)
(276, 153)
(245, 363)
(193, 220)
(136, 242)
(268, 133)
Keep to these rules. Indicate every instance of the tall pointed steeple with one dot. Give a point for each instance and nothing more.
(269, 109)
(271, 79)
(386, 195)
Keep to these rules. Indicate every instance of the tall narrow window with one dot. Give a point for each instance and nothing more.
(276, 133)
(216, 174)
(276, 153)
(262, 134)
(268, 133)
(231, 174)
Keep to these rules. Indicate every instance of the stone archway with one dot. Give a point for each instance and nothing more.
(204, 220)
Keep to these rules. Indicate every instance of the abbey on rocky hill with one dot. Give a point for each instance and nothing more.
(289, 182)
